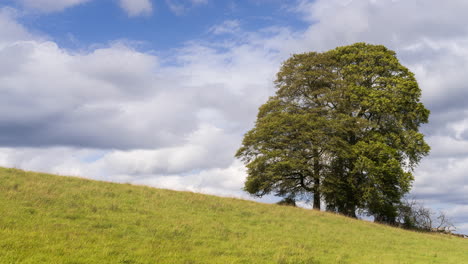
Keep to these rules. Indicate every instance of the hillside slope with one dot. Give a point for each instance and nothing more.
(52, 219)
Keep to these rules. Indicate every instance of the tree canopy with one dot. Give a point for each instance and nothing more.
(343, 128)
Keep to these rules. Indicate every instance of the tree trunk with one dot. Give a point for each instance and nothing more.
(352, 212)
(316, 179)
(317, 194)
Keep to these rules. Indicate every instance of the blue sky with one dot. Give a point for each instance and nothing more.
(97, 22)
(160, 92)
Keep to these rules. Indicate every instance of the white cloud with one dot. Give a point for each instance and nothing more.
(228, 26)
(199, 2)
(398, 22)
(226, 181)
(48, 6)
(446, 146)
(10, 30)
(179, 7)
(137, 7)
(205, 148)
(131, 7)
(64, 95)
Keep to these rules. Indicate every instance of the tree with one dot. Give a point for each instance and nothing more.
(342, 128)
(413, 215)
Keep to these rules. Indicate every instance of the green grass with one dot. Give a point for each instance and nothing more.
(52, 219)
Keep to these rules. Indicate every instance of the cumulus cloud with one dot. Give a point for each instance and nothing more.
(131, 7)
(225, 181)
(117, 97)
(179, 7)
(198, 2)
(194, 153)
(137, 7)
(399, 22)
(228, 26)
(48, 6)
(66, 98)
(10, 30)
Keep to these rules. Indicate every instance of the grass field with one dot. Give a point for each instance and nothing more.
(52, 219)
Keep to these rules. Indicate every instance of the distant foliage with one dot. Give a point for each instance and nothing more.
(413, 215)
(287, 201)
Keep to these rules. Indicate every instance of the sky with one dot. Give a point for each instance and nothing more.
(160, 92)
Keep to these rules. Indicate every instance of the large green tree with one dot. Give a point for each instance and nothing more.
(342, 128)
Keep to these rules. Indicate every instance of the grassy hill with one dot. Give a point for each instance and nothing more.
(52, 219)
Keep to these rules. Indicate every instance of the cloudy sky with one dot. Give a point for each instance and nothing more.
(160, 92)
